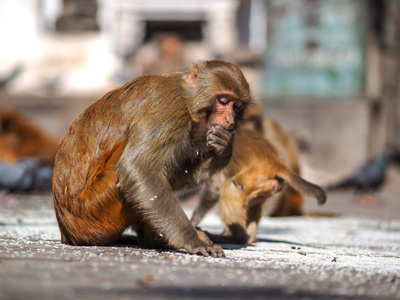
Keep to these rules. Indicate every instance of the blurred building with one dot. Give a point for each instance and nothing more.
(83, 45)
(332, 72)
(326, 69)
(316, 49)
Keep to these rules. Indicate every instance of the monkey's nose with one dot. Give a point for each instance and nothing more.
(230, 123)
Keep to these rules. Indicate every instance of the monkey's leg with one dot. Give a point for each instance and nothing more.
(208, 198)
(233, 213)
(98, 214)
(290, 203)
(254, 213)
(160, 210)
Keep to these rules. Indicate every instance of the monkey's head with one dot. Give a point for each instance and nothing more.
(218, 92)
(253, 118)
(20, 137)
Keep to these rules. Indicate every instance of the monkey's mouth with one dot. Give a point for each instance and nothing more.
(230, 130)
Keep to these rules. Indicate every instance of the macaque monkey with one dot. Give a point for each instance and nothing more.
(255, 173)
(19, 138)
(123, 158)
(288, 202)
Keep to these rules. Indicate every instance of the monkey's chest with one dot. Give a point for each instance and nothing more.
(184, 179)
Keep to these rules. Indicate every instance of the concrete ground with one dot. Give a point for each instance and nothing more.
(354, 255)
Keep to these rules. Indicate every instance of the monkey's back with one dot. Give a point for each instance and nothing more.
(97, 133)
(87, 200)
(251, 150)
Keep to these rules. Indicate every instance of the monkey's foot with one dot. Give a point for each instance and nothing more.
(213, 250)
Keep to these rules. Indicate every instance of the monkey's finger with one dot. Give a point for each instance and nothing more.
(218, 139)
(201, 251)
(218, 146)
(221, 131)
(216, 251)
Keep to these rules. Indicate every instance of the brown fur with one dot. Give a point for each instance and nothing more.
(20, 138)
(255, 173)
(289, 202)
(124, 156)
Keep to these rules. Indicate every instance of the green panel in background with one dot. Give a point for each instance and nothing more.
(315, 49)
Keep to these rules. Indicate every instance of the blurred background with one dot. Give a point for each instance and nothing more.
(326, 70)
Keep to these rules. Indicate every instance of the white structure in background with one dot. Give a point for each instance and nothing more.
(258, 26)
(86, 62)
(68, 63)
(126, 20)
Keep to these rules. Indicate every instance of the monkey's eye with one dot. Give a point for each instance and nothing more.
(223, 99)
(239, 105)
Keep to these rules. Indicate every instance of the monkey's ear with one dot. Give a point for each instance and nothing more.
(191, 80)
(192, 77)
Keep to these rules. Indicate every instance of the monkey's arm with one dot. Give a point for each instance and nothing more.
(211, 159)
(149, 192)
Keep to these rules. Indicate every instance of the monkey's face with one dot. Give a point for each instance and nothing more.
(227, 110)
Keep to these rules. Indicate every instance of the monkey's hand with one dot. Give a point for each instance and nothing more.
(219, 143)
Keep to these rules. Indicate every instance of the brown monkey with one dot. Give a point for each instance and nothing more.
(19, 138)
(254, 174)
(289, 202)
(122, 159)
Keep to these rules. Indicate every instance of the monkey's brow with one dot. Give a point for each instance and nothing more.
(228, 94)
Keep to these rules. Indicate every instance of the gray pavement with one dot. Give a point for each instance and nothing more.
(354, 255)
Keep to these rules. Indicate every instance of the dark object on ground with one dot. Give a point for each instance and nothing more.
(26, 175)
(368, 177)
(5, 80)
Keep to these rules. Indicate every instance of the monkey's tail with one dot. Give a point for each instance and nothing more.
(304, 187)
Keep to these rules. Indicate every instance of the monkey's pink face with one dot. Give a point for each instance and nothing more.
(228, 108)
